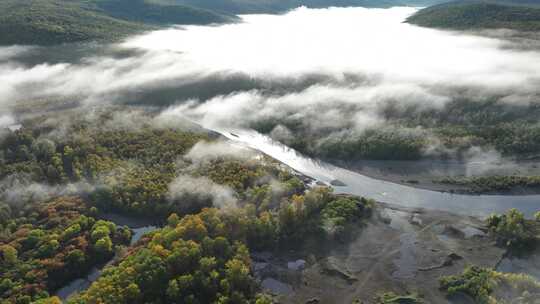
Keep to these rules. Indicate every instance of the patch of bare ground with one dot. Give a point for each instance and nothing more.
(399, 250)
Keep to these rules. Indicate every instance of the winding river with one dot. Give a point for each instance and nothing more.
(138, 227)
(356, 184)
(391, 193)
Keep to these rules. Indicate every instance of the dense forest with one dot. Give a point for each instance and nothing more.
(47, 244)
(277, 6)
(63, 173)
(488, 286)
(204, 258)
(472, 15)
(48, 22)
(225, 218)
(200, 256)
(158, 12)
(485, 285)
(410, 134)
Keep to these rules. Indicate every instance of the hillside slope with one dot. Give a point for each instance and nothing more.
(275, 6)
(45, 22)
(530, 3)
(48, 22)
(467, 15)
(158, 12)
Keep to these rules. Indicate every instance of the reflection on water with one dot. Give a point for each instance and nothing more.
(296, 265)
(81, 284)
(357, 184)
(406, 261)
(276, 287)
(528, 265)
(139, 232)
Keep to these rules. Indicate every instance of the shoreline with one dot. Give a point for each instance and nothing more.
(396, 172)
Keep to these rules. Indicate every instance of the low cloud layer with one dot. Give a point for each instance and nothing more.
(203, 151)
(322, 106)
(195, 192)
(335, 41)
(9, 52)
(19, 189)
(335, 68)
(372, 43)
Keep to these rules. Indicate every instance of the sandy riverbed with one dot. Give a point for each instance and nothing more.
(398, 249)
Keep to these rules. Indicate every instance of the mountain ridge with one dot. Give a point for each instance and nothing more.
(474, 15)
(49, 22)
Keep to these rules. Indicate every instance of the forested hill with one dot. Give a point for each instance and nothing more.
(47, 22)
(157, 12)
(275, 6)
(466, 15)
(530, 3)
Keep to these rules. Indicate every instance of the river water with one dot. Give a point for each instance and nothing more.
(392, 193)
(356, 184)
(139, 228)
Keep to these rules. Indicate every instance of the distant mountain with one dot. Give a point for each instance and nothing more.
(522, 15)
(530, 3)
(47, 22)
(275, 6)
(157, 12)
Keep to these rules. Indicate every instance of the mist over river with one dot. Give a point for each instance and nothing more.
(354, 58)
(357, 184)
(334, 69)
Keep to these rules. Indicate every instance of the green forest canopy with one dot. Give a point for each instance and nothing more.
(470, 15)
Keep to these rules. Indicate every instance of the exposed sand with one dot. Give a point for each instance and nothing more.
(399, 250)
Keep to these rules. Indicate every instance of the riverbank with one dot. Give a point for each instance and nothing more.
(350, 182)
(138, 226)
(400, 250)
(430, 174)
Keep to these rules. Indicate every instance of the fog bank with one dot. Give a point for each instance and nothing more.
(335, 68)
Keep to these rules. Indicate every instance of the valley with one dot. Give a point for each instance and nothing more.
(260, 152)
(474, 15)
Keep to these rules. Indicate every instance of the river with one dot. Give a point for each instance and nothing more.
(391, 193)
(354, 183)
(139, 228)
